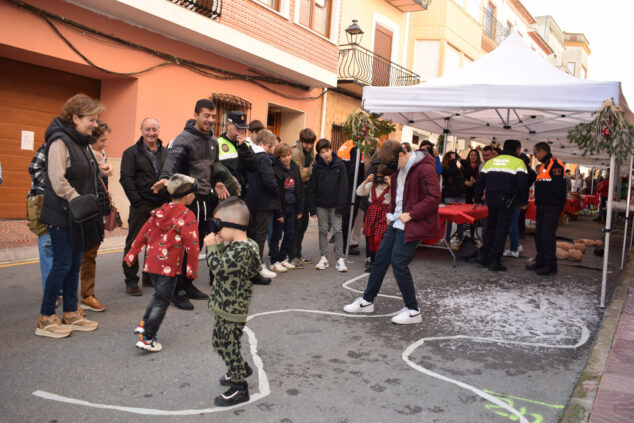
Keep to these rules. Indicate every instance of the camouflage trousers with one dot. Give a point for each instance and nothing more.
(226, 341)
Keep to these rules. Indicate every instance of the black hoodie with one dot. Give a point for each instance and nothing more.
(329, 185)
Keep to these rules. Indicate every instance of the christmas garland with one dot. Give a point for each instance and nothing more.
(608, 132)
(365, 129)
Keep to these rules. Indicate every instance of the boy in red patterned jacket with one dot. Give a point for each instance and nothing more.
(170, 231)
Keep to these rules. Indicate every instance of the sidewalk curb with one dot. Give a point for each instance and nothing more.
(15, 256)
(582, 400)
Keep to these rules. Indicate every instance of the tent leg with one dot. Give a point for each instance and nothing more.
(627, 210)
(352, 200)
(608, 225)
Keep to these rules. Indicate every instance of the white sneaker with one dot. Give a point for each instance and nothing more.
(407, 317)
(359, 306)
(510, 253)
(266, 273)
(322, 264)
(341, 265)
(520, 249)
(287, 265)
(202, 256)
(277, 267)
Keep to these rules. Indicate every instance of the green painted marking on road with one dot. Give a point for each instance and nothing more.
(524, 399)
(537, 418)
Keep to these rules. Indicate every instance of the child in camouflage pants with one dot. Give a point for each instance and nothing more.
(233, 267)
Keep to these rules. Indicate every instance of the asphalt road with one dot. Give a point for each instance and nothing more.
(492, 348)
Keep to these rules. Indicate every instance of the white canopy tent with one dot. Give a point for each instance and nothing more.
(508, 93)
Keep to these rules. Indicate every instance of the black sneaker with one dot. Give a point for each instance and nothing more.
(497, 267)
(546, 271)
(533, 266)
(354, 250)
(484, 262)
(260, 280)
(225, 380)
(236, 394)
(180, 301)
(368, 268)
(194, 293)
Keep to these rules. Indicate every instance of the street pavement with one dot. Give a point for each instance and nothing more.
(493, 347)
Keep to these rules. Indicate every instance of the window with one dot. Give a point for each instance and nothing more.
(226, 103)
(571, 68)
(273, 4)
(337, 138)
(315, 14)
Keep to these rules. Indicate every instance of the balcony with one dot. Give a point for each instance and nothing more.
(409, 5)
(495, 32)
(209, 8)
(359, 67)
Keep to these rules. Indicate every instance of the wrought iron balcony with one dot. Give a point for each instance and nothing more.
(493, 28)
(210, 8)
(360, 66)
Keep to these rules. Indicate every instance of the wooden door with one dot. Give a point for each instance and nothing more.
(30, 97)
(382, 56)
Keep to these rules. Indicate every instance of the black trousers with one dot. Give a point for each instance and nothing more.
(203, 208)
(497, 229)
(259, 223)
(302, 225)
(136, 219)
(545, 235)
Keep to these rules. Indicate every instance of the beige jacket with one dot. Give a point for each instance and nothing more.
(297, 155)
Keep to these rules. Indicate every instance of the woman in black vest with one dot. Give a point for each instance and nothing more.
(71, 171)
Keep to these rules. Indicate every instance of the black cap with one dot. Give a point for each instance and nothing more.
(239, 119)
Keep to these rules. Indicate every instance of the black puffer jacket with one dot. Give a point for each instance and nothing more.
(263, 192)
(138, 175)
(329, 185)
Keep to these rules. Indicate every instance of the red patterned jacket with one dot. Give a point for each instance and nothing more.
(170, 231)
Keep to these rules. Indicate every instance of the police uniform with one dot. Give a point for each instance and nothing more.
(550, 199)
(503, 179)
(238, 158)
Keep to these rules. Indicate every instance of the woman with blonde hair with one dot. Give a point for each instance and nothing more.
(70, 186)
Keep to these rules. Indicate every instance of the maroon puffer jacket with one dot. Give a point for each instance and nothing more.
(420, 198)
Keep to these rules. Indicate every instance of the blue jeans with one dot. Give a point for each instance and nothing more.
(164, 287)
(45, 249)
(395, 251)
(514, 233)
(64, 274)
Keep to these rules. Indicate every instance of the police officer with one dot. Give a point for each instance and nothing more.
(234, 152)
(550, 199)
(503, 181)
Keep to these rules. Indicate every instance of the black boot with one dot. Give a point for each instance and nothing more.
(236, 394)
(534, 266)
(497, 267)
(546, 271)
(194, 293)
(180, 301)
(260, 280)
(225, 380)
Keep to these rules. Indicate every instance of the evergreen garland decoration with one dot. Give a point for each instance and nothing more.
(365, 129)
(608, 132)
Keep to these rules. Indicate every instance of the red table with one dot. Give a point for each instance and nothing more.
(572, 207)
(588, 200)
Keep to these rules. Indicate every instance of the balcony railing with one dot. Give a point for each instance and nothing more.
(362, 66)
(210, 8)
(493, 28)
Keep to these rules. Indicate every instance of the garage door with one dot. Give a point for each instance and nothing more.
(30, 97)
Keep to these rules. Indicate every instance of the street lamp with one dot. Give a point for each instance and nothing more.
(354, 33)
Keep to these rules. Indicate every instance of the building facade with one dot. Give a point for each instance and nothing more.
(269, 58)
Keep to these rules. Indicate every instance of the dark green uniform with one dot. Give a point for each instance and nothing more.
(232, 266)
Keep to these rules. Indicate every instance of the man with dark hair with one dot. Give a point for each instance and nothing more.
(304, 157)
(503, 179)
(141, 166)
(426, 144)
(550, 199)
(194, 152)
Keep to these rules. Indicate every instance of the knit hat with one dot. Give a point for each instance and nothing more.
(389, 151)
(179, 184)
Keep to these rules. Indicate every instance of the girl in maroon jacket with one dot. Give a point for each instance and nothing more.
(170, 231)
(413, 217)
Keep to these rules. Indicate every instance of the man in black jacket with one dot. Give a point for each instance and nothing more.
(194, 152)
(550, 199)
(234, 152)
(141, 165)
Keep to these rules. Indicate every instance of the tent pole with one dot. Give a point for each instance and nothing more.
(445, 134)
(608, 227)
(357, 159)
(627, 211)
(591, 181)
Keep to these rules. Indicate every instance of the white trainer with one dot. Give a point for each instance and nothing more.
(341, 265)
(322, 264)
(511, 253)
(277, 267)
(407, 317)
(359, 306)
(266, 273)
(288, 265)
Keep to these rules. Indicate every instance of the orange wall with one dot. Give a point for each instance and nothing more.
(167, 93)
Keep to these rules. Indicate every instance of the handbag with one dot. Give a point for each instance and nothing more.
(84, 208)
(112, 220)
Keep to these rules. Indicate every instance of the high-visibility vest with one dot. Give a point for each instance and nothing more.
(226, 149)
(544, 173)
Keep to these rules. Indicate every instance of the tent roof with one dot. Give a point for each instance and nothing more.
(508, 93)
